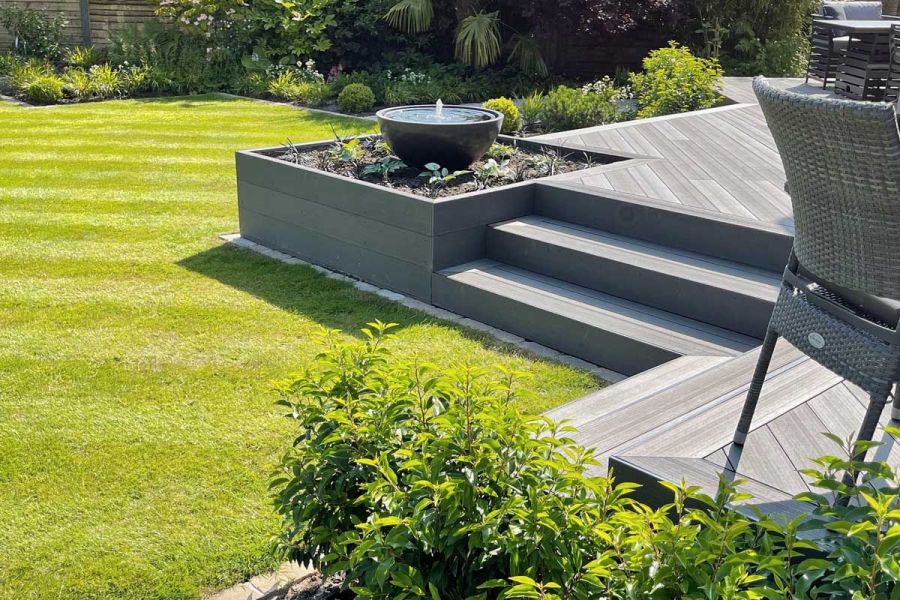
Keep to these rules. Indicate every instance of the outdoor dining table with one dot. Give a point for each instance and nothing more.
(865, 63)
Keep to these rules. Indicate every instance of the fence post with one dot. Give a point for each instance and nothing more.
(85, 6)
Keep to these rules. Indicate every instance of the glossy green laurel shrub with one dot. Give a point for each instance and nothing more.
(675, 81)
(419, 482)
(512, 119)
(356, 98)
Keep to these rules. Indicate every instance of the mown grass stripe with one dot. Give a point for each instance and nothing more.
(137, 425)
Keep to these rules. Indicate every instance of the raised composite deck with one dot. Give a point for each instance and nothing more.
(722, 160)
(675, 421)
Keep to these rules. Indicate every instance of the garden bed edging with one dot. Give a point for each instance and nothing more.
(390, 238)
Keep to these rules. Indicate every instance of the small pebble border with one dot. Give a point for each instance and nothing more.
(433, 311)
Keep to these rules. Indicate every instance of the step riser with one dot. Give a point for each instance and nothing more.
(716, 306)
(744, 242)
(556, 331)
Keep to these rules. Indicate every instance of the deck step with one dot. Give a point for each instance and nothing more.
(720, 292)
(762, 245)
(618, 334)
(613, 398)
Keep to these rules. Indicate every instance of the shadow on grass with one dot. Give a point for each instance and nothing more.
(189, 100)
(304, 291)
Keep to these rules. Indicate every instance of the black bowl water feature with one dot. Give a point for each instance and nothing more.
(452, 136)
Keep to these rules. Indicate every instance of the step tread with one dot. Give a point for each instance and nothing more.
(613, 398)
(595, 309)
(706, 270)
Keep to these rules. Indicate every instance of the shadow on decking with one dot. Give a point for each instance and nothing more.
(306, 292)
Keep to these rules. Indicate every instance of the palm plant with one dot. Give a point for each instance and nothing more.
(479, 34)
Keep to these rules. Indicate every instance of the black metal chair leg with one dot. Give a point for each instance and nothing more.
(895, 409)
(866, 433)
(756, 384)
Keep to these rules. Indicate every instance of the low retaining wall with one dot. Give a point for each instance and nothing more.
(387, 237)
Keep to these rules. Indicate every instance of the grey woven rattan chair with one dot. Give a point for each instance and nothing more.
(892, 85)
(838, 301)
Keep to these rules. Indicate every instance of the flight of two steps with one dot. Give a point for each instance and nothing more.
(625, 302)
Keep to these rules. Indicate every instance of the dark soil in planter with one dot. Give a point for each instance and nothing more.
(354, 159)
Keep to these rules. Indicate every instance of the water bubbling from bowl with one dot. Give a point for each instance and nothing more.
(427, 114)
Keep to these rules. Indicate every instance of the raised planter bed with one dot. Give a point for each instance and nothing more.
(391, 238)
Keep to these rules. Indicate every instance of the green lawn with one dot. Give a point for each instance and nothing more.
(137, 424)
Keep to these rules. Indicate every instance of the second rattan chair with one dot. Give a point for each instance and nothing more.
(839, 297)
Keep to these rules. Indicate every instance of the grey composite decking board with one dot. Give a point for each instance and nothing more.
(722, 293)
(697, 471)
(620, 335)
(381, 204)
(350, 225)
(763, 457)
(650, 414)
(842, 409)
(613, 398)
(800, 433)
(722, 159)
(375, 236)
(385, 271)
(757, 244)
(668, 432)
(717, 417)
(478, 209)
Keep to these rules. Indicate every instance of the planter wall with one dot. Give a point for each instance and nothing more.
(390, 238)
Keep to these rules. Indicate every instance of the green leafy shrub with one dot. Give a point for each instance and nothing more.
(424, 92)
(254, 84)
(374, 81)
(675, 81)
(531, 109)
(77, 84)
(8, 62)
(81, 57)
(310, 94)
(775, 58)
(512, 120)
(40, 87)
(282, 85)
(181, 62)
(288, 86)
(105, 82)
(768, 37)
(139, 79)
(423, 483)
(356, 98)
(564, 108)
(35, 33)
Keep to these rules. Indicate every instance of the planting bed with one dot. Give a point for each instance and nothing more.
(369, 159)
(395, 235)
